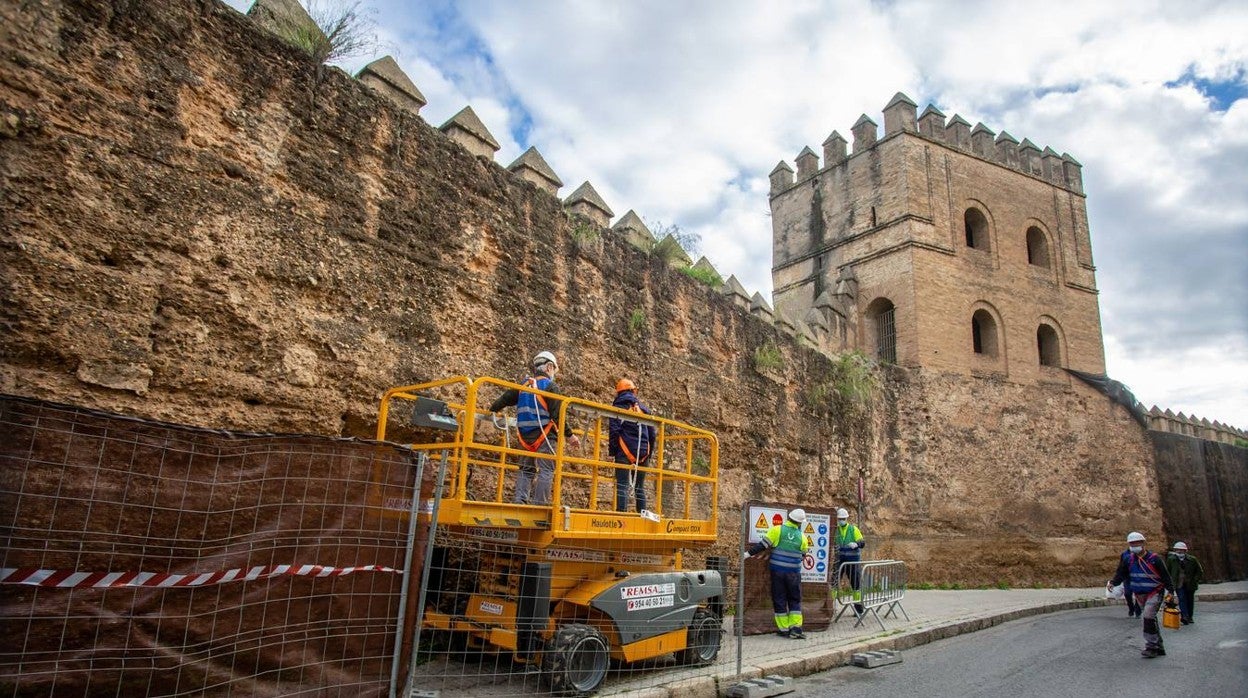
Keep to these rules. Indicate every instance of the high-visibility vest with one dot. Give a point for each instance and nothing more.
(850, 534)
(1144, 578)
(532, 414)
(787, 543)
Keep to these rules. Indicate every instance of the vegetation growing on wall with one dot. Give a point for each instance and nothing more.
(704, 276)
(768, 358)
(850, 383)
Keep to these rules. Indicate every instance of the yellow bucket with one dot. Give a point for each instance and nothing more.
(1170, 618)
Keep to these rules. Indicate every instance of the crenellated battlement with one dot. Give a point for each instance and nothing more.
(1193, 426)
(957, 133)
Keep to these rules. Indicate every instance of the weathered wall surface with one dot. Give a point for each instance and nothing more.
(195, 230)
(1205, 499)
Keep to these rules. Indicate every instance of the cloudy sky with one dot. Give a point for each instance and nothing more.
(679, 109)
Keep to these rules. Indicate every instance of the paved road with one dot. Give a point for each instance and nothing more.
(1087, 652)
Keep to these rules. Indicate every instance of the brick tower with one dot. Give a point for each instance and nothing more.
(941, 246)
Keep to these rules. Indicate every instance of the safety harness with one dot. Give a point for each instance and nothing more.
(531, 382)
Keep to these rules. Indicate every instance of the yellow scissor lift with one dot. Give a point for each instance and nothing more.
(568, 586)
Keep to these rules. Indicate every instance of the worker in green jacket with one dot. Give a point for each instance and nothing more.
(1187, 574)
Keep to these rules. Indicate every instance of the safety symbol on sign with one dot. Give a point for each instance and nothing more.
(808, 562)
(820, 567)
(823, 542)
(822, 554)
(762, 522)
(823, 529)
(809, 529)
(809, 541)
(776, 519)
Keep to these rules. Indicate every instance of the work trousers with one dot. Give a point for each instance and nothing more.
(1151, 603)
(629, 480)
(786, 600)
(854, 572)
(1187, 602)
(536, 474)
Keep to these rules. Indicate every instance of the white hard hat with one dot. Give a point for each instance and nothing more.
(544, 358)
(1135, 537)
(1180, 546)
(798, 516)
(842, 514)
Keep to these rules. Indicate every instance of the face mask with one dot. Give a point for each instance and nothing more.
(1180, 555)
(842, 522)
(1137, 549)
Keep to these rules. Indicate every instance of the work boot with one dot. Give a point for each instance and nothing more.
(797, 634)
(1150, 652)
(782, 633)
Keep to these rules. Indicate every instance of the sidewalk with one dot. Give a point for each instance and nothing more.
(934, 615)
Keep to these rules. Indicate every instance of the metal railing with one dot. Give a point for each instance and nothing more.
(683, 469)
(881, 585)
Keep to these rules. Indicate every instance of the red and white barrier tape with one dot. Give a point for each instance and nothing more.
(66, 579)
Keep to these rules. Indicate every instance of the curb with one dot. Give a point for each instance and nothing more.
(814, 663)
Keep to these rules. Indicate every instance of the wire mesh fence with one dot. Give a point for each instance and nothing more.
(149, 559)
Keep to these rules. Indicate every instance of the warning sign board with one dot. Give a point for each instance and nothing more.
(816, 563)
(815, 567)
(764, 518)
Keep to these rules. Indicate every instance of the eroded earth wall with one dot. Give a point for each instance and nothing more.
(198, 228)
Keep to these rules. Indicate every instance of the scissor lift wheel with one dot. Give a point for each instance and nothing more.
(705, 632)
(576, 660)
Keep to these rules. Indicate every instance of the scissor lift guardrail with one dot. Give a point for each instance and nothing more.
(683, 470)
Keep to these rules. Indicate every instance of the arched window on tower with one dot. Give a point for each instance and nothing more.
(976, 226)
(1037, 248)
(882, 316)
(1048, 346)
(984, 333)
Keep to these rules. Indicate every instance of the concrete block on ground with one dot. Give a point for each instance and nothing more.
(870, 660)
(761, 687)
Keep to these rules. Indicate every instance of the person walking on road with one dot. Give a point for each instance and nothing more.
(788, 546)
(536, 418)
(630, 445)
(1144, 574)
(849, 545)
(1187, 574)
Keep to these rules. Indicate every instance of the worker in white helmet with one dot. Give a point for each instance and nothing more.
(1187, 574)
(536, 430)
(849, 545)
(788, 545)
(1145, 575)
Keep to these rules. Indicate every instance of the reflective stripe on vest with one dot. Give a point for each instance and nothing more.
(532, 414)
(1144, 577)
(787, 555)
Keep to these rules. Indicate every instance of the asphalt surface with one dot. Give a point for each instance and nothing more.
(1085, 652)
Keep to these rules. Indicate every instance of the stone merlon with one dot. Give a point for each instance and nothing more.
(834, 150)
(781, 177)
(932, 123)
(466, 129)
(386, 78)
(865, 133)
(733, 289)
(532, 167)
(634, 231)
(899, 115)
(807, 163)
(586, 202)
(958, 133)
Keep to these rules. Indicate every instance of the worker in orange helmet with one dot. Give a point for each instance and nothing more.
(631, 444)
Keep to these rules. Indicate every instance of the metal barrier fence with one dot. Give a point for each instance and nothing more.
(141, 558)
(881, 584)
